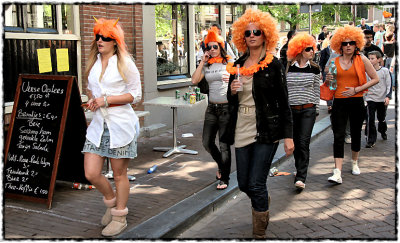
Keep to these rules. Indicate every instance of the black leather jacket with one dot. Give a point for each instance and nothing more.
(273, 113)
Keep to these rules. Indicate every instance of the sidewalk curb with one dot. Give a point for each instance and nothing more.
(176, 219)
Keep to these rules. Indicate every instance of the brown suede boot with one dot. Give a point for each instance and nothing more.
(260, 223)
(107, 215)
(118, 222)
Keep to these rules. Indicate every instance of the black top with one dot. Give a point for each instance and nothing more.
(321, 36)
(389, 49)
(372, 47)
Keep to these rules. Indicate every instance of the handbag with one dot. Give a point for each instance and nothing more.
(325, 93)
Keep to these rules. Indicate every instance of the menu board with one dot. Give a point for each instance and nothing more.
(35, 137)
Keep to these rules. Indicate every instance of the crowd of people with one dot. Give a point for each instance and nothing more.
(255, 99)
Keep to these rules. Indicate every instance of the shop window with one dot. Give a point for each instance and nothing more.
(172, 41)
(37, 18)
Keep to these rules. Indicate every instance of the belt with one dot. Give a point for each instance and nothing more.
(301, 107)
(246, 109)
(218, 105)
(110, 105)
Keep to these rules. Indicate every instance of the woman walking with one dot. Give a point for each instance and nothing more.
(348, 100)
(114, 84)
(302, 77)
(260, 114)
(213, 67)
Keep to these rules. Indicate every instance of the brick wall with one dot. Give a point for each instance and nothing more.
(131, 21)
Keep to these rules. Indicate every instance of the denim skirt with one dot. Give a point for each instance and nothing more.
(104, 150)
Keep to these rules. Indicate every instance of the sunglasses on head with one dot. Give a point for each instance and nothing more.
(211, 47)
(308, 49)
(352, 43)
(106, 39)
(247, 33)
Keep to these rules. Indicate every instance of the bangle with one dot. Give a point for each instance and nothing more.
(105, 101)
(354, 90)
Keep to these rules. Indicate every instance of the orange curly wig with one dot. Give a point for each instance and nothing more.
(263, 20)
(347, 32)
(110, 28)
(213, 36)
(298, 43)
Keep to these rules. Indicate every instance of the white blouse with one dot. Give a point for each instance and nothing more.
(121, 121)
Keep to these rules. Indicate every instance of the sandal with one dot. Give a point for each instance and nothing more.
(222, 183)
(219, 172)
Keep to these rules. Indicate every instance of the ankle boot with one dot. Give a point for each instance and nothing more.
(260, 223)
(107, 215)
(117, 224)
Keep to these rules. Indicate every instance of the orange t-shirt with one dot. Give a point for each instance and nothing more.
(346, 78)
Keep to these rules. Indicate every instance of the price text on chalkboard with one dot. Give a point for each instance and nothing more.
(35, 136)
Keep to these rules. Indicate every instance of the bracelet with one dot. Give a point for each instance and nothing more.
(105, 101)
(354, 90)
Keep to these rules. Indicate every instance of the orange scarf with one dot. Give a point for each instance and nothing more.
(253, 68)
(360, 70)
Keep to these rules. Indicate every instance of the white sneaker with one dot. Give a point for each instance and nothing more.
(336, 178)
(355, 170)
(347, 140)
(300, 185)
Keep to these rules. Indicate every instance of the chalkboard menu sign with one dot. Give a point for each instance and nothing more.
(45, 109)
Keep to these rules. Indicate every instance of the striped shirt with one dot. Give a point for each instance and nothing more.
(303, 84)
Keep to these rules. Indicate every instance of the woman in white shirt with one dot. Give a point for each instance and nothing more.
(114, 84)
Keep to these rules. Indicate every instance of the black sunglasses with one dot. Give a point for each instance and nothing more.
(106, 39)
(309, 49)
(247, 33)
(352, 43)
(212, 46)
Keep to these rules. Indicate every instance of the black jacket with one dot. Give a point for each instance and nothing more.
(273, 113)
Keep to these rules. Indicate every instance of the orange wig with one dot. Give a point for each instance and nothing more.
(110, 28)
(213, 36)
(298, 43)
(262, 20)
(347, 32)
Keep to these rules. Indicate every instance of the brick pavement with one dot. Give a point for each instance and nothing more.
(363, 207)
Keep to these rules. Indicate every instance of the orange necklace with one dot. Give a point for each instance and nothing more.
(218, 59)
(253, 68)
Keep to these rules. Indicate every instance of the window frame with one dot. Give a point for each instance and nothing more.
(176, 80)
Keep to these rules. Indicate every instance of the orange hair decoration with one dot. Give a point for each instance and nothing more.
(298, 43)
(213, 36)
(110, 28)
(347, 32)
(387, 14)
(263, 20)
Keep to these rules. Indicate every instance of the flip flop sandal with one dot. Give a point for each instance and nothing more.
(221, 183)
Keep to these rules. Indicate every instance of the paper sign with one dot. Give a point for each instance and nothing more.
(44, 60)
(62, 60)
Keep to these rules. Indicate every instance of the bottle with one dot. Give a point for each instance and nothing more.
(333, 71)
(237, 77)
(80, 186)
(152, 169)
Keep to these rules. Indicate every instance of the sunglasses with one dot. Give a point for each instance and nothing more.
(308, 49)
(247, 33)
(106, 39)
(352, 43)
(215, 47)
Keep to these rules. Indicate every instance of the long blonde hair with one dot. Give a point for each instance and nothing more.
(121, 59)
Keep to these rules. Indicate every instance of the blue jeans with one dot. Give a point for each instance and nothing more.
(303, 123)
(216, 121)
(253, 163)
